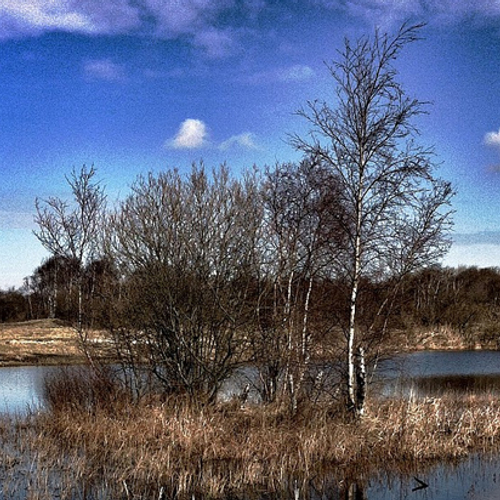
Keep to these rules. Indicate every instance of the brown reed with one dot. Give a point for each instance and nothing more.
(174, 448)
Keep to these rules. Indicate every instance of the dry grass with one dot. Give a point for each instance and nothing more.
(44, 341)
(39, 341)
(173, 448)
(94, 442)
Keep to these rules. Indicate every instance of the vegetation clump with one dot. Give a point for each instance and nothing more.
(172, 447)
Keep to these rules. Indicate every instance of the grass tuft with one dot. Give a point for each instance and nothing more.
(171, 446)
(95, 442)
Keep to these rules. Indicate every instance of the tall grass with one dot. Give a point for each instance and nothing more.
(156, 448)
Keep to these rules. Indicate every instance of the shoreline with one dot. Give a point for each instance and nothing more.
(103, 442)
(54, 342)
(43, 342)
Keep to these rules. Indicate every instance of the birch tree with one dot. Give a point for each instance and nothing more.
(73, 229)
(299, 239)
(397, 210)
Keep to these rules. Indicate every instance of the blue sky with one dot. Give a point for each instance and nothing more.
(134, 86)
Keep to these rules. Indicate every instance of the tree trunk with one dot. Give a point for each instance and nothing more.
(360, 381)
(351, 362)
(356, 406)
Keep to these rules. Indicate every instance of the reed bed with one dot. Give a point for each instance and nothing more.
(176, 449)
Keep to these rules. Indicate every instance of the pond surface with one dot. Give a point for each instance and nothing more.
(474, 478)
(433, 373)
(21, 388)
(423, 373)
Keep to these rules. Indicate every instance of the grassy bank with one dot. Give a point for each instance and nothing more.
(55, 342)
(45, 342)
(114, 448)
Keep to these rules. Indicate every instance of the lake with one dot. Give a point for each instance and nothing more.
(474, 478)
(21, 387)
(421, 373)
(433, 373)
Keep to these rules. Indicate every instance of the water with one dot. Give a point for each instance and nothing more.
(21, 388)
(433, 373)
(424, 373)
(474, 478)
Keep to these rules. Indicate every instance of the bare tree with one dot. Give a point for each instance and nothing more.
(73, 229)
(396, 209)
(186, 248)
(297, 246)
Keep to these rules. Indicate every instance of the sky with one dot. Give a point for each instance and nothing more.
(138, 86)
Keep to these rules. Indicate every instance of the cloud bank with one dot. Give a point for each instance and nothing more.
(193, 134)
(481, 249)
(481, 255)
(212, 25)
(480, 238)
(387, 12)
(199, 20)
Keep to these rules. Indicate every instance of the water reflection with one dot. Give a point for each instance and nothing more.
(435, 373)
(353, 491)
(21, 387)
(476, 477)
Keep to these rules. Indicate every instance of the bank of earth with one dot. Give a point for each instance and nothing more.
(56, 342)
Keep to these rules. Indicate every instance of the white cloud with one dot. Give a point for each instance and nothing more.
(388, 12)
(296, 73)
(199, 19)
(492, 139)
(384, 12)
(104, 69)
(245, 140)
(32, 17)
(172, 17)
(192, 134)
(196, 19)
(216, 43)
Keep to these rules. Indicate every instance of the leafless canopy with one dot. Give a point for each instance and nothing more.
(397, 209)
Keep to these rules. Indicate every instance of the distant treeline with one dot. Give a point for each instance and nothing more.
(465, 299)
